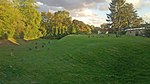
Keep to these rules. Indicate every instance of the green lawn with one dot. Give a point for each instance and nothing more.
(77, 59)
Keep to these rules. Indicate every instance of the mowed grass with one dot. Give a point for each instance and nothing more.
(77, 59)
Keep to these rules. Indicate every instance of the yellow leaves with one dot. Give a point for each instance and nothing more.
(12, 40)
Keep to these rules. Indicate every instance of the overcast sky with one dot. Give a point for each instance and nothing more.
(91, 11)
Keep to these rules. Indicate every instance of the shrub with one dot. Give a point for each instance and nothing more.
(147, 32)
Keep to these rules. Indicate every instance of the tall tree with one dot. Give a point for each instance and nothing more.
(11, 20)
(32, 19)
(122, 15)
(115, 17)
(60, 23)
(56, 24)
(45, 23)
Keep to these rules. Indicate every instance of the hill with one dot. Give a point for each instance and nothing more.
(77, 59)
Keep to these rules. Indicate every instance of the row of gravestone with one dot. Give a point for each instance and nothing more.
(36, 46)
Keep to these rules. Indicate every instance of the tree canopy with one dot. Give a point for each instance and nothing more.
(11, 20)
(60, 23)
(123, 15)
(20, 19)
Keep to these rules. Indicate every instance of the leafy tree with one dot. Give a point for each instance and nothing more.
(56, 24)
(45, 23)
(32, 19)
(80, 27)
(11, 20)
(72, 29)
(59, 23)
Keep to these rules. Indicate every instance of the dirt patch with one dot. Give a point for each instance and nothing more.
(5, 42)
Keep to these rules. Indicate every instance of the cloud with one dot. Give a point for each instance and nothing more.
(100, 4)
(103, 6)
(83, 9)
(87, 16)
(45, 8)
(146, 17)
(42, 7)
(72, 4)
(39, 3)
(137, 3)
(82, 13)
(68, 4)
(146, 3)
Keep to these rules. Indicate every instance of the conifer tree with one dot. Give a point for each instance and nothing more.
(123, 15)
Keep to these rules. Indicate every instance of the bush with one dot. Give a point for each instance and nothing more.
(147, 33)
(123, 32)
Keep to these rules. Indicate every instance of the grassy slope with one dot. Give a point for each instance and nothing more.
(77, 59)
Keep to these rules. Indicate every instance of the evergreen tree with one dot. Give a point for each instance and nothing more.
(116, 8)
(131, 17)
(123, 15)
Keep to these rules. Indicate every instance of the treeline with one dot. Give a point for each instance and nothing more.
(20, 19)
(60, 23)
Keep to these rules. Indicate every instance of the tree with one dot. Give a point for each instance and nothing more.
(60, 23)
(45, 23)
(80, 27)
(11, 21)
(132, 18)
(57, 24)
(105, 25)
(122, 15)
(32, 19)
(116, 8)
(72, 29)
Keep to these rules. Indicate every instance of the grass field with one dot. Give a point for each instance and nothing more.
(77, 59)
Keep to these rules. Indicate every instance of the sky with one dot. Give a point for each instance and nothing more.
(91, 12)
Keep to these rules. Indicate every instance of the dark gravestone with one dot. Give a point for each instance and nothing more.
(36, 47)
(30, 48)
